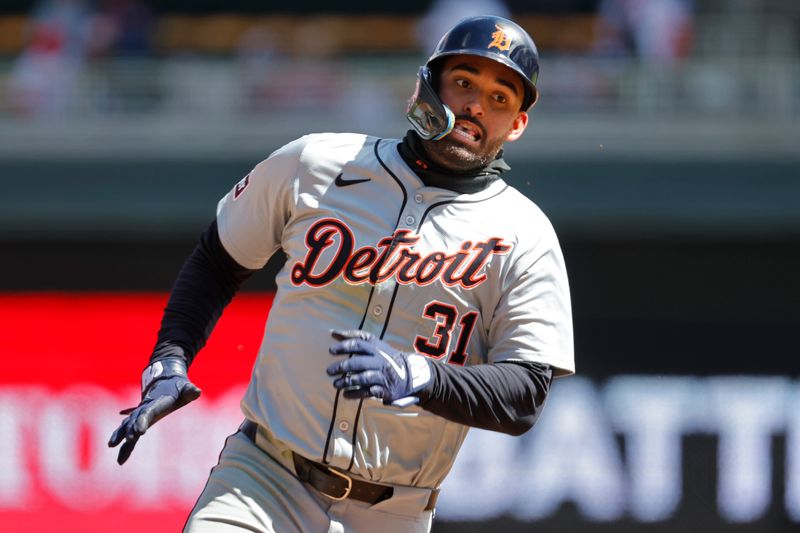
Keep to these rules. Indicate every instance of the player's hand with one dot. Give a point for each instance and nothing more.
(165, 388)
(376, 369)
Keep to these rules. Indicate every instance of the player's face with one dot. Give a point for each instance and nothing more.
(486, 98)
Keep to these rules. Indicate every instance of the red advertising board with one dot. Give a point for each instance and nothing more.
(69, 362)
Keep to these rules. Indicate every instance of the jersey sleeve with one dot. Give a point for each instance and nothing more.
(533, 320)
(252, 216)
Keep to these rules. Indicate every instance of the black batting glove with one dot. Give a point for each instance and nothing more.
(376, 369)
(165, 388)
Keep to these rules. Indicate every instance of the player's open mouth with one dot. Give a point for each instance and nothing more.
(467, 130)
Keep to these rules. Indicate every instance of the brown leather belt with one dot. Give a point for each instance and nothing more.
(334, 483)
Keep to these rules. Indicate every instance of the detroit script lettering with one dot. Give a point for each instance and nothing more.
(393, 256)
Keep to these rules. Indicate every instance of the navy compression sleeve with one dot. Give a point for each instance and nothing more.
(505, 397)
(207, 282)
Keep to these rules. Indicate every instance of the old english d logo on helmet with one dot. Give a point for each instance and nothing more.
(500, 40)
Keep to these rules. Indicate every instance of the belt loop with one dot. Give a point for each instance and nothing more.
(432, 500)
(249, 429)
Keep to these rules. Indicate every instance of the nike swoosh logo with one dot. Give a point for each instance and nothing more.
(341, 182)
(401, 370)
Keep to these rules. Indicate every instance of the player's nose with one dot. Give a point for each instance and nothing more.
(473, 107)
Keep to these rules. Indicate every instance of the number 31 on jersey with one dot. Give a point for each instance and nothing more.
(446, 317)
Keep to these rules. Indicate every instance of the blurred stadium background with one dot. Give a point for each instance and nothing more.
(665, 149)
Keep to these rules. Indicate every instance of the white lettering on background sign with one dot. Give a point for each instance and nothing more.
(53, 444)
(747, 412)
(653, 414)
(792, 469)
(14, 476)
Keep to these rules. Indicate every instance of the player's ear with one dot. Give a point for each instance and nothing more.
(520, 123)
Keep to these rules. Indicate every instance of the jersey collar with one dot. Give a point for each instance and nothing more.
(433, 175)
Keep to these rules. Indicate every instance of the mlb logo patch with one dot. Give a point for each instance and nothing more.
(241, 186)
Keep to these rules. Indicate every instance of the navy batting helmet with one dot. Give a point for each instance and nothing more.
(492, 37)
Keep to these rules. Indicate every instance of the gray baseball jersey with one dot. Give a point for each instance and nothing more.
(461, 278)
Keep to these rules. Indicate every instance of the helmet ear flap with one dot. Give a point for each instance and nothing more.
(431, 119)
(532, 98)
(434, 74)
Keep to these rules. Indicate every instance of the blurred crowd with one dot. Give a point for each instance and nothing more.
(658, 31)
(64, 37)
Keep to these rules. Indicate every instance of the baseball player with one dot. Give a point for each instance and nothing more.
(421, 296)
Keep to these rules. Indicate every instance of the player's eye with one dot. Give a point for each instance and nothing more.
(500, 98)
(461, 82)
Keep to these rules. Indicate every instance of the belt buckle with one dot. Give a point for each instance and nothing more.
(346, 491)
